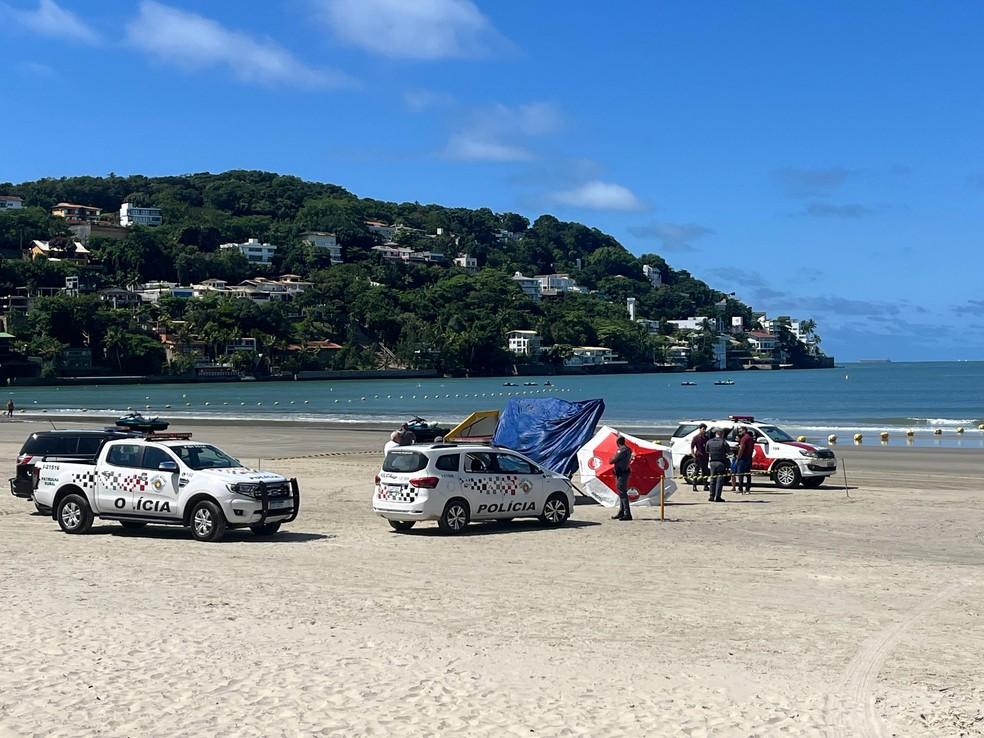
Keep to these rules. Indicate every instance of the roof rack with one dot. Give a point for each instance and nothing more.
(152, 436)
(742, 418)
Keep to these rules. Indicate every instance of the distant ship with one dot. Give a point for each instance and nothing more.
(875, 361)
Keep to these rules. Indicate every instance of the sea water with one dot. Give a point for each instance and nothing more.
(866, 398)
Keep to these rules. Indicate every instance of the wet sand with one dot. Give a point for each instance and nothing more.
(813, 612)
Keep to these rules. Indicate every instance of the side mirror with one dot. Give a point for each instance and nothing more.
(168, 466)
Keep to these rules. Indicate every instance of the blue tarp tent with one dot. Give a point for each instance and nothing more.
(548, 430)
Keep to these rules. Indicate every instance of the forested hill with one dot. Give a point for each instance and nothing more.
(381, 312)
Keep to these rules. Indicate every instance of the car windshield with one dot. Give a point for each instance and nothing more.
(203, 456)
(776, 434)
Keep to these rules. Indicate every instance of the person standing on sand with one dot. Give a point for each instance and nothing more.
(621, 461)
(10, 408)
(698, 447)
(717, 455)
(743, 460)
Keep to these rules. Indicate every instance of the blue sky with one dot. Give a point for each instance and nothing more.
(820, 159)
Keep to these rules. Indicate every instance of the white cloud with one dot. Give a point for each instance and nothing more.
(50, 19)
(473, 146)
(502, 132)
(412, 29)
(418, 100)
(598, 195)
(36, 69)
(193, 41)
(674, 236)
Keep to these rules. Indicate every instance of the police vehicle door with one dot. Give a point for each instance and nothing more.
(159, 497)
(118, 479)
(479, 481)
(522, 486)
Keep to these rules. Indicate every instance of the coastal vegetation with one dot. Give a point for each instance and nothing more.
(372, 311)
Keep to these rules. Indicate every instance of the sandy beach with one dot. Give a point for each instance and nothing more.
(855, 612)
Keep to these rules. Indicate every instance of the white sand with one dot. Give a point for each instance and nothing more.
(805, 613)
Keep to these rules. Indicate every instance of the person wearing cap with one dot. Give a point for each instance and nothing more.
(717, 457)
(621, 461)
(698, 447)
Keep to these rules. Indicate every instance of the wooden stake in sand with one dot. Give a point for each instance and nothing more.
(662, 498)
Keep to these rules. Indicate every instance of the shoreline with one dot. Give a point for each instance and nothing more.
(971, 440)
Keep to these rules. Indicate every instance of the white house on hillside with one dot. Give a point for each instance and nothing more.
(592, 356)
(131, 215)
(253, 250)
(653, 275)
(529, 285)
(11, 202)
(556, 284)
(689, 324)
(326, 241)
(524, 343)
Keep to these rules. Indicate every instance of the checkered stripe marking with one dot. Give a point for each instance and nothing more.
(85, 480)
(403, 494)
(116, 482)
(497, 484)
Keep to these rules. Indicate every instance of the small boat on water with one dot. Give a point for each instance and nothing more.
(688, 384)
(548, 383)
(724, 381)
(137, 422)
(509, 384)
(529, 384)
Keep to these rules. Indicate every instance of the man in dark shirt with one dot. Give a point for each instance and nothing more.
(717, 456)
(621, 460)
(403, 436)
(698, 447)
(743, 462)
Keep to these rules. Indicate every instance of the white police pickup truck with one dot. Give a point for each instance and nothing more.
(166, 479)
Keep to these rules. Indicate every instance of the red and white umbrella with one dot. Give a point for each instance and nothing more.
(650, 463)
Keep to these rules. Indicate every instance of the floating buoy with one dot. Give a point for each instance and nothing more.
(187, 404)
(205, 403)
(980, 427)
(883, 436)
(184, 397)
(910, 433)
(259, 403)
(306, 402)
(858, 438)
(960, 430)
(831, 438)
(129, 408)
(363, 399)
(146, 407)
(801, 439)
(937, 431)
(168, 407)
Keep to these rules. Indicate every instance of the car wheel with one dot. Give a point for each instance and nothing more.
(74, 514)
(402, 525)
(556, 510)
(265, 529)
(786, 475)
(132, 524)
(207, 521)
(689, 470)
(813, 482)
(455, 517)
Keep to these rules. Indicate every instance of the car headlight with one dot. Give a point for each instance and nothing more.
(246, 489)
(809, 454)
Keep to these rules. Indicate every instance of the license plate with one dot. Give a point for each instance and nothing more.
(394, 489)
(826, 462)
(279, 504)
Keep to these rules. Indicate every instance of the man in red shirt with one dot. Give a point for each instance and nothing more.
(743, 464)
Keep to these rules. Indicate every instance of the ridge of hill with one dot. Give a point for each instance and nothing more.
(382, 313)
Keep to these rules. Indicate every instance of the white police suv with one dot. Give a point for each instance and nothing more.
(455, 484)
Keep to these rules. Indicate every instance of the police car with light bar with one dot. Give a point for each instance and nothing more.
(165, 478)
(777, 454)
(456, 484)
